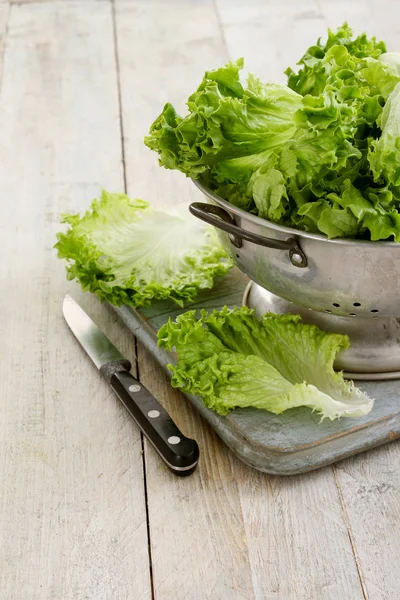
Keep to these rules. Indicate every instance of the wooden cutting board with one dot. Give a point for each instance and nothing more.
(295, 441)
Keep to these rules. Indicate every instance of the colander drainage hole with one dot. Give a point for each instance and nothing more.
(328, 311)
(336, 305)
(374, 310)
(352, 314)
(237, 256)
(356, 304)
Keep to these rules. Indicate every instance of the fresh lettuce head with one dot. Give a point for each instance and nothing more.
(233, 359)
(127, 252)
(384, 157)
(310, 155)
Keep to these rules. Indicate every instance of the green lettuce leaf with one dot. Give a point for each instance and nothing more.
(350, 213)
(384, 157)
(340, 58)
(230, 130)
(127, 252)
(270, 195)
(233, 359)
(392, 61)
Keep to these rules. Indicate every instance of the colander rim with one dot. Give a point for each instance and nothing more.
(289, 230)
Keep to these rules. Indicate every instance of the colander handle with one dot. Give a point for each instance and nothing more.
(217, 216)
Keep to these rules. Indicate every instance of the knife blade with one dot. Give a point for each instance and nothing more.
(181, 454)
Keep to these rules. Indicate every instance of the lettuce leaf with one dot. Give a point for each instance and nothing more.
(340, 58)
(229, 131)
(392, 61)
(127, 252)
(351, 213)
(233, 359)
(384, 156)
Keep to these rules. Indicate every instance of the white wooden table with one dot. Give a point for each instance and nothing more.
(87, 510)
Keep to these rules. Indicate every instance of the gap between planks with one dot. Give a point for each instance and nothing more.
(121, 116)
(220, 27)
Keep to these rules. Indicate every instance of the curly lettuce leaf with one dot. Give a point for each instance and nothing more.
(339, 58)
(350, 213)
(384, 157)
(233, 359)
(392, 61)
(127, 252)
(229, 131)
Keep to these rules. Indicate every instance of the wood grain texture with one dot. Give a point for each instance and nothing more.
(157, 42)
(40, 1)
(72, 511)
(369, 486)
(4, 13)
(379, 19)
(28, 1)
(227, 532)
(260, 32)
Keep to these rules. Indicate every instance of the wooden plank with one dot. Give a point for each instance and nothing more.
(72, 510)
(4, 12)
(153, 61)
(28, 1)
(369, 486)
(228, 531)
(268, 25)
(40, 1)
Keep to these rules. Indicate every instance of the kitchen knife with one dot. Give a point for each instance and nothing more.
(180, 453)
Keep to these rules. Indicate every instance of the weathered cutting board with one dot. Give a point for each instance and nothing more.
(295, 441)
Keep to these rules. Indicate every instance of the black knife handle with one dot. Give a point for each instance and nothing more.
(180, 453)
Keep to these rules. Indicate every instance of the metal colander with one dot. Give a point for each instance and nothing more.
(343, 286)
(347, 278)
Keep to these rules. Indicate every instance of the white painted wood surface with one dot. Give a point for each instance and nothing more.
(73, 522)
(4, 12)
(72, 509)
